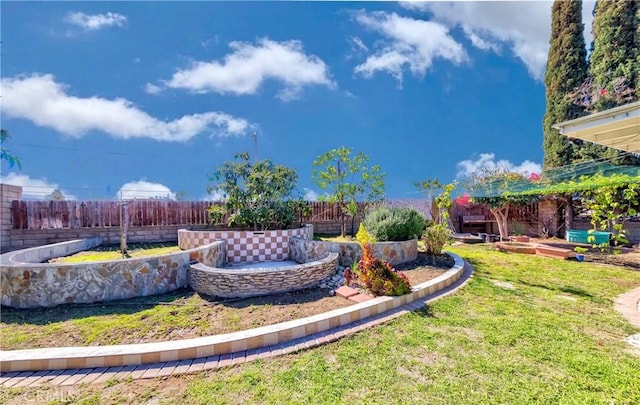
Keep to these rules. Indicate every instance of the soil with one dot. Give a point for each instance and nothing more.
(629, 257)
(198, 315)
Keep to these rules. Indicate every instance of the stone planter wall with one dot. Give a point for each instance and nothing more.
(228, 283)
(247, 246)
(27, 283)
(302, 250)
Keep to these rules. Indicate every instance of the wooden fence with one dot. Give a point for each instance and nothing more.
(525, 213)
(101, 214)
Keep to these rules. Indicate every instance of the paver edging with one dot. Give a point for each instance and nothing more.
(145, 353)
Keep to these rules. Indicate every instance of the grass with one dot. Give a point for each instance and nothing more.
(334, 238)
(112, 252)
(524, 330)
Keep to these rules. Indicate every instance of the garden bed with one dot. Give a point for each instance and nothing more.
(112, 252)
(181, 314)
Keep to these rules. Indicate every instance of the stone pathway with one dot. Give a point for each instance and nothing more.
(103, 374)
(628, 304)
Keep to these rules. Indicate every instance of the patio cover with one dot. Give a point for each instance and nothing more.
(617, 128)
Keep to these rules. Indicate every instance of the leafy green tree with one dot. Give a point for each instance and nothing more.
(440, 194)
(5, 154)
(613, 64)
(566, 70)
(256, 193)
(346, 179)
(491, 187)
(609, 205)
(615, 49)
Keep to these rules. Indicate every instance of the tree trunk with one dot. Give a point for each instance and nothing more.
(501, 215)
(568, 212)
(124, 227)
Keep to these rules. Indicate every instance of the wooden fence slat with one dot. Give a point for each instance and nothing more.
(92, 214)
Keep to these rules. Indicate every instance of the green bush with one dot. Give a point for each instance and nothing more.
(435, 237)
(394, 224)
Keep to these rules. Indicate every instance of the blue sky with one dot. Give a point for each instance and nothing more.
(144, 99)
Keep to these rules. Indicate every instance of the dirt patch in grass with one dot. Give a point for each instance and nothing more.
(182, 314)
(629, 257)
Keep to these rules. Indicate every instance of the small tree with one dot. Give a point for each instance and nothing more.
(256, 193)
(5, 154)
(610, 204)
(347, 179)
(496, 189)
(436, 236)
(440, 194)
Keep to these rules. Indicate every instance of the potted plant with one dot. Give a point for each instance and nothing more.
(580, 251)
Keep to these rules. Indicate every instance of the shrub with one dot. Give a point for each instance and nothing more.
(435, 237)
(394, 224)
(379, 277)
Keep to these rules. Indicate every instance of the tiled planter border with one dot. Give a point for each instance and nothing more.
(135, 354)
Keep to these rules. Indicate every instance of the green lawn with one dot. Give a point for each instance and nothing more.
(524, 330)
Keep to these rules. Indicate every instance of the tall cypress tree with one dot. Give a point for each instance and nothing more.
(616, 47)
(566, 70)
(615, 53)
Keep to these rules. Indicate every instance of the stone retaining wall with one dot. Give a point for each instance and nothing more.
(227, 283)
(247, 246)
(302, 250)
(26, 283)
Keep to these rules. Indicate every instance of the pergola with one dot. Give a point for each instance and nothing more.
(617, 128)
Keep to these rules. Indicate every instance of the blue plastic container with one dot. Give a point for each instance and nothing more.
(577, 236)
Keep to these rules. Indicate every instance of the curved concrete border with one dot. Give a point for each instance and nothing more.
(28, 283)
(135, 354)
(250, 282)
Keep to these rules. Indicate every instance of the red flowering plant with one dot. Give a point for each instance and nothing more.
(463, 200)
(377, 276)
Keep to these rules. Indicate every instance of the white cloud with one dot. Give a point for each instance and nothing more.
(93, 22)
(144, 190)
(408, 42)
(357, 45)
(487, 161)
(245, 69)
(152, 88)
(523, 26)
(310, 195)
(40, 99)
(214, 195)
(34, 189)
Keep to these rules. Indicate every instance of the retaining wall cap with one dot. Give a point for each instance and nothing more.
(20, 257)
